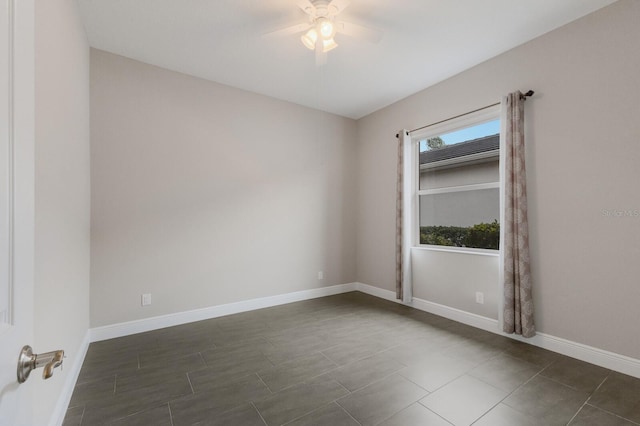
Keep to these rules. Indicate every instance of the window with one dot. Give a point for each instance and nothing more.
(459, 184)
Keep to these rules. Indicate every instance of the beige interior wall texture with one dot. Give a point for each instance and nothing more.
(583, 152)
(62, 192)
(203, 194)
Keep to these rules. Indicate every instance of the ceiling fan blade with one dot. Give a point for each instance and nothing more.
(337, 6)
(292, 29)
(306, 6)
(359, 31)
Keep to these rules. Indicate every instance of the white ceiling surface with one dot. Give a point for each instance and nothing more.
(424, 42)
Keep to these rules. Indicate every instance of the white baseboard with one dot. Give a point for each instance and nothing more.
(603, 358)
(60, 410)
(154, 323)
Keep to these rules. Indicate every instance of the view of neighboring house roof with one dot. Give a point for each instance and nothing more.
(462, 149)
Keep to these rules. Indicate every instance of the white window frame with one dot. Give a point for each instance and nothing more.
(475, 118)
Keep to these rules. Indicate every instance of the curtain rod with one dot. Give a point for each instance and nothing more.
(524, 96)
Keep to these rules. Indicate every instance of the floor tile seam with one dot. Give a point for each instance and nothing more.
(348, 414)
(507, 354)
(193, 392)
(307, 355)
(460, 358)
(479, 379)
(240, 404)
(336, 365)
(305, 380)
(317, 409)
(264, 383)
(268, 387)
(231, 379)
(82, 416)
(443, 385)
(234, 406)
(307, 323)
(611, 413)
(259, 413)
(161, 358)
(148, 408)
(400, 410)
(351, 361)
(567, 386)
(170, 413)
(487, 412)
(588, 401)
(599, 386)
(431, 411)
(577, 412)
(517, 389)
(313, 352)
(377, 381)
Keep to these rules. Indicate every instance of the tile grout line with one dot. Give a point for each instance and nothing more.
(602, 409)
(193, 392)
(82, 415)
(259, 413)
(265, 384)
(431, 411)
(516, 389)
(170, 414)
(588, 399)
(612, 413)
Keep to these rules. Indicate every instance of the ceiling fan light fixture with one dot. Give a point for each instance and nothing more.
(326, 29)
(328, 45)
(309, 39)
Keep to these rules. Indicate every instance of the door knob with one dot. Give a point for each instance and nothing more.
(28, 361)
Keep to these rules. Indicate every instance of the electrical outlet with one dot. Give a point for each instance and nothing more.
(320, 275)
(479, 297)
(146, 299)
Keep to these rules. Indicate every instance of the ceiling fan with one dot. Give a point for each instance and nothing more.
(321, 27)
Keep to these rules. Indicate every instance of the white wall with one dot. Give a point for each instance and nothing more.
(62, 192)
(204, 194)
(583, 155)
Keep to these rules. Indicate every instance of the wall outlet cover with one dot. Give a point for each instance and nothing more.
(146, 299)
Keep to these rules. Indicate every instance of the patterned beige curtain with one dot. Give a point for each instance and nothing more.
(518, 302)
(404, 207)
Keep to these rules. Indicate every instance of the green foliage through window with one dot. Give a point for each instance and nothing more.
(480, 235)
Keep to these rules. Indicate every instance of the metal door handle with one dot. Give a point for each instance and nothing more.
(28, 361)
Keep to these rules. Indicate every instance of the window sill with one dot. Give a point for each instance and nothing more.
(460, 250)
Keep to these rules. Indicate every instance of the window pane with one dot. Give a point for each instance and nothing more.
(463, 174)
(442, 157)
(461, 219)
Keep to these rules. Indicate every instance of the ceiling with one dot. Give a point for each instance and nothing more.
(424, 42)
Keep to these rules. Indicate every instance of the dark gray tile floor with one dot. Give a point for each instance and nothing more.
(349, 359)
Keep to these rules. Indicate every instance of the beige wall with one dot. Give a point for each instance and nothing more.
(62, 192)
(203, 194)
(583, 153)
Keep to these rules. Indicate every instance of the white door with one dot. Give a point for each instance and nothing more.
(16, 205)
